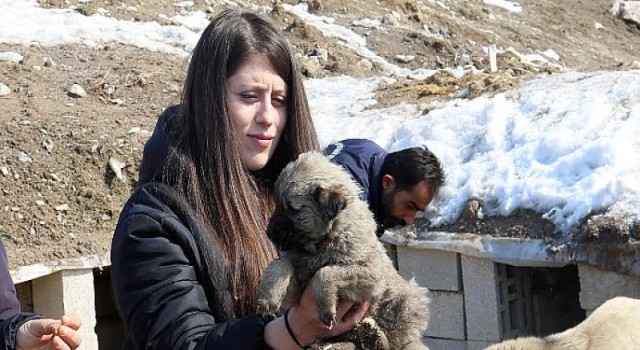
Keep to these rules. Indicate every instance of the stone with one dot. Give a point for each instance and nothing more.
(627, 10)
(77, 91)
(4, 90)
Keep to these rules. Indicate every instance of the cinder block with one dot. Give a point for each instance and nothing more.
(447, 315)
(109, 327)
(434, 269)
(478, 344)
(514, 300)
(481, 299)
(588, 312)
(444, 344)
(598, 286)
(23, 291)
(68, 291)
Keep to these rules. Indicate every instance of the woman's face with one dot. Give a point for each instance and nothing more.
(258, 105)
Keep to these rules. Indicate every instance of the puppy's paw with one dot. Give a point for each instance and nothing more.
(369, 335)
(328, 318)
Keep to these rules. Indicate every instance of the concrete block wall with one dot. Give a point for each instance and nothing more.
(476, 302)
(481, 299)
(466, 294)
(68, 291)
(448, 344)
(464, 297)
(25, 296)
(445, 344)
(447, 315)
(598, 286)
(440, 272)
(434, 269)
(109, 328)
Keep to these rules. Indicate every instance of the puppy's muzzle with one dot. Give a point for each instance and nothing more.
(280, 229)
(286, 236)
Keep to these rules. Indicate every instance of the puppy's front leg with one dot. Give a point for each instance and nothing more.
(325, 292)
(351, 282)
(276, 282)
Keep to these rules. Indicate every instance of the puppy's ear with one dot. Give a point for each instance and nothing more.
(330, 202)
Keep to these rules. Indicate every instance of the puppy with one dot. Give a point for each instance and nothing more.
(326, 237)
(614, 325)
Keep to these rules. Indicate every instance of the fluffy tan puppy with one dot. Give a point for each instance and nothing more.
(326, 237)
(615, 325)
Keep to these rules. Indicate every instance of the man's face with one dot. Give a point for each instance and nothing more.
(399, 206)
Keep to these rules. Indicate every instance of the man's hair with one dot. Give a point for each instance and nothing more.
(204, 163)
(413, 165)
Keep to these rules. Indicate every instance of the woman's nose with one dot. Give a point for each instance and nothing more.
(266, 113)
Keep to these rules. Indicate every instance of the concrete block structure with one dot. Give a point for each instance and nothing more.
(477, 345)
(482, 289)
(598, 286)
(445, 344)
(446, 309)
(438, 270)
(485, 289)
(109, 327)
(65, 292)
(481, 299)
(62, 288)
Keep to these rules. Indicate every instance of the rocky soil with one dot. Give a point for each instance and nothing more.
(68, 160)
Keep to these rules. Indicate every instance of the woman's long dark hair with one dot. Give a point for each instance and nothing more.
(205, 165)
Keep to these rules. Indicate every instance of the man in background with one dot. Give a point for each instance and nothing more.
(396, 185)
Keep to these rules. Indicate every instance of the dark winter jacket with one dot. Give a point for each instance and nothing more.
(166, 275)
(364, 159)
(9, 304)
(10, 316)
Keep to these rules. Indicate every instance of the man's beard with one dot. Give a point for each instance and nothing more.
(389, 221)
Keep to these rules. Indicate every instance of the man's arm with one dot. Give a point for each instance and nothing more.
(9, 304)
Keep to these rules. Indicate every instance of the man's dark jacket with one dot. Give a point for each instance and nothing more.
(364, 159)
(10, 316)
(166, 274)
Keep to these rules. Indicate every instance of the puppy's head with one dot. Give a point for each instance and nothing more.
(311, 193)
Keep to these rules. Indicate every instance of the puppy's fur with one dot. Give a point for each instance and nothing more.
(614, 325)
(326, 236)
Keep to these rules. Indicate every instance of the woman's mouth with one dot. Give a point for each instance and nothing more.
(261, 141)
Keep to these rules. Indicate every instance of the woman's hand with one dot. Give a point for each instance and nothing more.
(306, 326)
(49, 334)
(305, 321)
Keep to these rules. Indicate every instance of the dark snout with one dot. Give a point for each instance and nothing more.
(286, 236)
(274, 227)
(280, 230)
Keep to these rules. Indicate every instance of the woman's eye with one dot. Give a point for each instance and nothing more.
(279, 100)
(248, 96)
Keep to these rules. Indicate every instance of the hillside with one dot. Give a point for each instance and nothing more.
(60, 196)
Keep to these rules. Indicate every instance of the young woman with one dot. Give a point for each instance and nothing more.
(190, 245)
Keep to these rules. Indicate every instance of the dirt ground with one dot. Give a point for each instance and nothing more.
(60, 198)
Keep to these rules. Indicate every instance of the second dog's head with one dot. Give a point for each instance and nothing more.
(310, 194)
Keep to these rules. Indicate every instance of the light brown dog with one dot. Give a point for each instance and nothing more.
(615, 325)
(326, 236)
